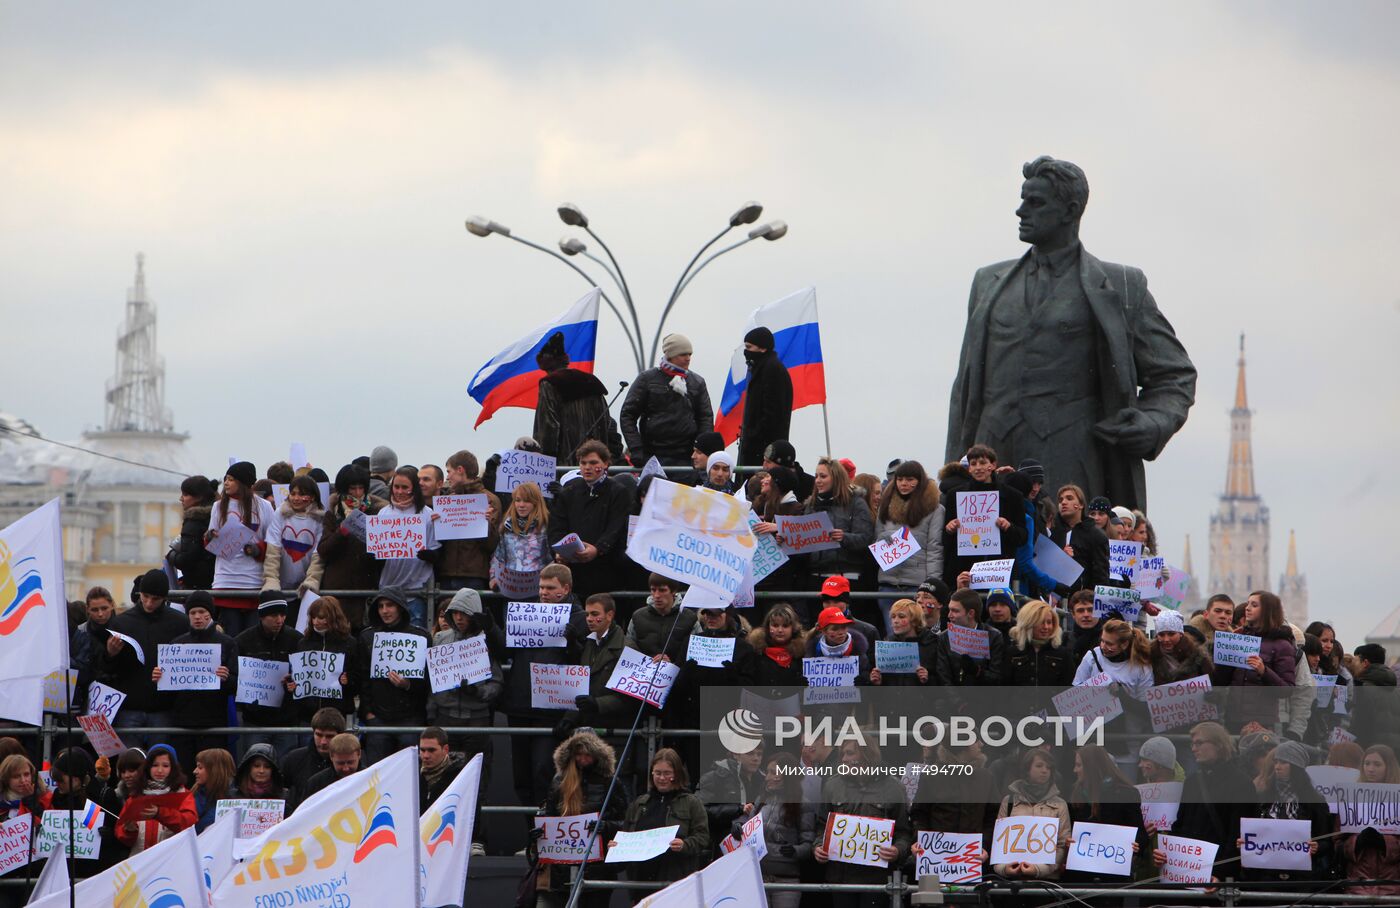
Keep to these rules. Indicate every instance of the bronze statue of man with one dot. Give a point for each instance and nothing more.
(1066, 359)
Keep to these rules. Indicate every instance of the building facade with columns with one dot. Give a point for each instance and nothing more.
(119, 484)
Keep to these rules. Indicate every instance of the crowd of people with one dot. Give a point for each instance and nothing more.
(1043, 635)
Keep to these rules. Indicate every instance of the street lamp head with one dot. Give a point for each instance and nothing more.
(773, 230)
(570, 214)
(479, 226)
(746, 214)
(572, 245)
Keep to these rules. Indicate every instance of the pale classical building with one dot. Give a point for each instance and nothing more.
(1239, 529)
(120, 483)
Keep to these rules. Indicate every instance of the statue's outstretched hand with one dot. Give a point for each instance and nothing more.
(1131, 431)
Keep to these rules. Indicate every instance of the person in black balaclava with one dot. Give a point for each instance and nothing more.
(572, 406)
(768, 398)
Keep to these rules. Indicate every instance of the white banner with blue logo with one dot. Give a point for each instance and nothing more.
(33, 604)
(352, 844)
(445, 834)
(166, 875)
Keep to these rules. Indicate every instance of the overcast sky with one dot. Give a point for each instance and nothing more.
(298, 175)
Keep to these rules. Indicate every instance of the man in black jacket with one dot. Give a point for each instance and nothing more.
(271, 640)
(595, 507)
(1011, 514)
(1081, 539)
(346, 760)
(149, 623)
(767, 398)
(393, 698)
(666, 408)
(201, 709)
(572, 406)
(301, 764)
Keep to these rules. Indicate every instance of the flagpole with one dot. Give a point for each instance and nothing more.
(67, 744)
(826, 427)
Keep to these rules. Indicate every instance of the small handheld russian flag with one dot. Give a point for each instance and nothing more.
(92, 815)
(512, 378)
(797, 341)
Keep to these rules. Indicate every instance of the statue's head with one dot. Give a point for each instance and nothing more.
(1052, 201)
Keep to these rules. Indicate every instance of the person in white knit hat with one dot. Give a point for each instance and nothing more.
(666, 408)
(1175, 655)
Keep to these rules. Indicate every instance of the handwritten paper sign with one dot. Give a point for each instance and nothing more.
(1175, 587)
(1235, 649)
(56, 699)
(463, 660)
(1340, 735)
(1102, 848)
(1325, 685)
(972, 642)
(711, 652)
(460, 516)
(1091, 700)
(188, 666)
(519, 467)
(355, 523)
(1123, 558)
(953, 857)
(641, 846)
(854, 839)
(317, 674)
(1147, 576)
(636, 676)
(1275, 844)
(568, 548)
(894, 551)
(1331, 782)
(1161, 801)
(231, 538)
(1025, 839)
(259, 814)
(100, 734)
(14, 842)
(802, 533)
(556, 686)
(977, 523)
(1052, 560)
(1368, 804)
(768, 556)
(1180, 703)
(898, 657)
(104, 700)
(260, 681)
(518, 585)
(1109, 599)
(55, 827)
(406, 654)
(1188, 860)
(821, 671)
(535, 625)
(988, 575)
(390, 535)
(565, 839)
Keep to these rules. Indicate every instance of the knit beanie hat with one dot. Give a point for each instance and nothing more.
(723, 457)
(383, 460)
(199, 599)
(155, 583)
(1033, 469)
(270, 602)
(708, 443)
(673, 345)
(849, 466)
(244, 472)
(760, 337)
(1292, 752)
(1170, 622)
(1158, 750)
(781, 452)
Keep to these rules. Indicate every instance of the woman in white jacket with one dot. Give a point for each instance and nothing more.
(1124, 655)
(291, 562)
(910, 502)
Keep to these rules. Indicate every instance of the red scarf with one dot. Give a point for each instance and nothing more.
(780, 655)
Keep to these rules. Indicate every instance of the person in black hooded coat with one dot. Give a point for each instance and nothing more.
(187, 553)
(767, 398)
(572, 407)
(201, 709)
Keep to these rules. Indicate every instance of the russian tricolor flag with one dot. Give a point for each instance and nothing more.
(512, 379)
(793, 321)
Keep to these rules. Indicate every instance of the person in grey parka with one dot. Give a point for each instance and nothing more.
(469, 703)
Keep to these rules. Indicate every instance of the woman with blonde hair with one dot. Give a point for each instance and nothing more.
(584, 765)
(21, 788)
(328, 631)
(779, 645)
(1038, 655)
(213, 781)
(853, 528)
(524, 543)
(1124, 655)
(907, 619)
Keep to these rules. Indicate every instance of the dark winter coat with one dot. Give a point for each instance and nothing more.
(469, 703)
(1010, 505)
(658, 421)
(130, 675)
(109, 850)
(650, 630)
(245, 766)
(208, 708)
(572, 408)
(766, 672)
(724, 791)
(767, 407)
(955, 669)
(257, 644)
(1090, 547)
(188, 554)
(596, 780)
(678, 808)
(468, 558)
(1120, 805)
(1210, 806)
(347, 646)
(346, 564)
(601, 659)
(298, 767)
(1039, 666)
(1375, 709)
(857, 526)
(879, 796)
(1255, 697)
(515, 701)
(1191, 662)
(379, 698)
(428, 792)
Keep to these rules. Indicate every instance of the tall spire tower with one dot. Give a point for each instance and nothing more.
(1293, 586)
(1239, 529)
(136, 393)
(1192, 598)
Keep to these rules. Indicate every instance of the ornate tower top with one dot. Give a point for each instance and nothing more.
(136, 392)
(1239, 475)
(1291, 570)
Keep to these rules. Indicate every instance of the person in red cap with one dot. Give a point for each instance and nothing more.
(836, 593)
(835, 638)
